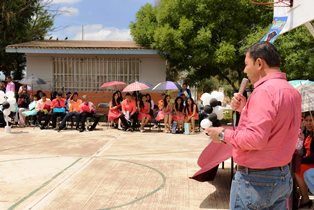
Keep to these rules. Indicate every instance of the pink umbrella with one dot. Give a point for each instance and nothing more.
(136, 86)
(211, 157)
(113, 85)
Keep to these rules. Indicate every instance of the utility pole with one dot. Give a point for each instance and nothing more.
(82, 32)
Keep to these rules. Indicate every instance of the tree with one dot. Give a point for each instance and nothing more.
(204, 37)
(21, 21)
(297, 52)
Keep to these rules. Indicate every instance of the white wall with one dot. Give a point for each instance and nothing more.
(153, 70)
(40, 66)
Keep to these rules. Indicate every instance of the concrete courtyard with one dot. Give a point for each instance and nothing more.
(105, 169)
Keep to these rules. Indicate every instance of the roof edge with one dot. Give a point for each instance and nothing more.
(12, 49)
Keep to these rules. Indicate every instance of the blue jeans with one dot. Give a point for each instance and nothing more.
(309, 179)
(267, 189)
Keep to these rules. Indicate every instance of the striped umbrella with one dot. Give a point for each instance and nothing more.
(136, 86)
(296, 83)
(307, 94)
(167, 85)
(113, 85)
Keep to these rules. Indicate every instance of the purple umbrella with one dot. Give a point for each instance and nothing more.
(167, 85)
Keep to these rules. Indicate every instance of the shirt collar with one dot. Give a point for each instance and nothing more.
(276, 75)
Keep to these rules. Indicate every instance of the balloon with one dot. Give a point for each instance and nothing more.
(213, 102)
(2, 100)
(6, 112)
(12, 101)
(205, 98)
(206, 123)
(10, 94)
(13, 107)
(208, 109)
(5, 105)
(218, 95)
(212, 117)
(219, 112)
(2, 94)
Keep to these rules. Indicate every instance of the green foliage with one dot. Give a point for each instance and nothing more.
(297, 52)
(203, 37)
(20, 21)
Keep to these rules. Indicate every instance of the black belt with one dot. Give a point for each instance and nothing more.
(243, 168)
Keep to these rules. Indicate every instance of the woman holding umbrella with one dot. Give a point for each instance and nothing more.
(114, 108)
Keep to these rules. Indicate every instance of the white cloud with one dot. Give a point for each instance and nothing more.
(69, 11)
(99, 32)
(64, 1)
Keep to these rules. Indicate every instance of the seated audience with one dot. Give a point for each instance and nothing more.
(114, 111)
(31, 112)
(23, 87)
(151, 102)
(159, 114)
(309, 179)
(129, 116)
(191, 113)
(43, 107)
(307, 160)
(74, 111)
(87, 109)
(179, 115)
(144, 112)
(57, 110)
(167, 113)
(22, 103)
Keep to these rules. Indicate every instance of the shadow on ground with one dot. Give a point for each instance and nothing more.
(222, 183)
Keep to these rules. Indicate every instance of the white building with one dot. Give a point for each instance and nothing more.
(84, 65)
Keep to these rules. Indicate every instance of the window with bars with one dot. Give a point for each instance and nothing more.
(87, 74)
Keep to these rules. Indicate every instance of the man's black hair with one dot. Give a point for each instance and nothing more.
(265, 51)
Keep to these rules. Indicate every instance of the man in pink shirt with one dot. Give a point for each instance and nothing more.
(10, 85)
(42, 108)
(57, 110)
(129, 114)
(87, 109)
(265, 139)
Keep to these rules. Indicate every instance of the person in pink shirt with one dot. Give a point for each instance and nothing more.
(57, 110)
(42, 108)
(88, 109)
(129, 114)
(10, 85)
(266, 137)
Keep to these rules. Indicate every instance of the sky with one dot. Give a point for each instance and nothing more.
(101, 19)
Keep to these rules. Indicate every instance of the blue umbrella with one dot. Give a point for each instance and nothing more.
(296, 83)
(167, 85)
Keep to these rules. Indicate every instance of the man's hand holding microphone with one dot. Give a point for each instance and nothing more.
(238, 102)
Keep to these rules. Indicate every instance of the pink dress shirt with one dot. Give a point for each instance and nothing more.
(10, 87)
(55, 103)
(268, 129)
(40, 104)
(86, 107)
(128, 106)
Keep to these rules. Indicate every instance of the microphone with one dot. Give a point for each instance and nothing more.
(243, 85)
